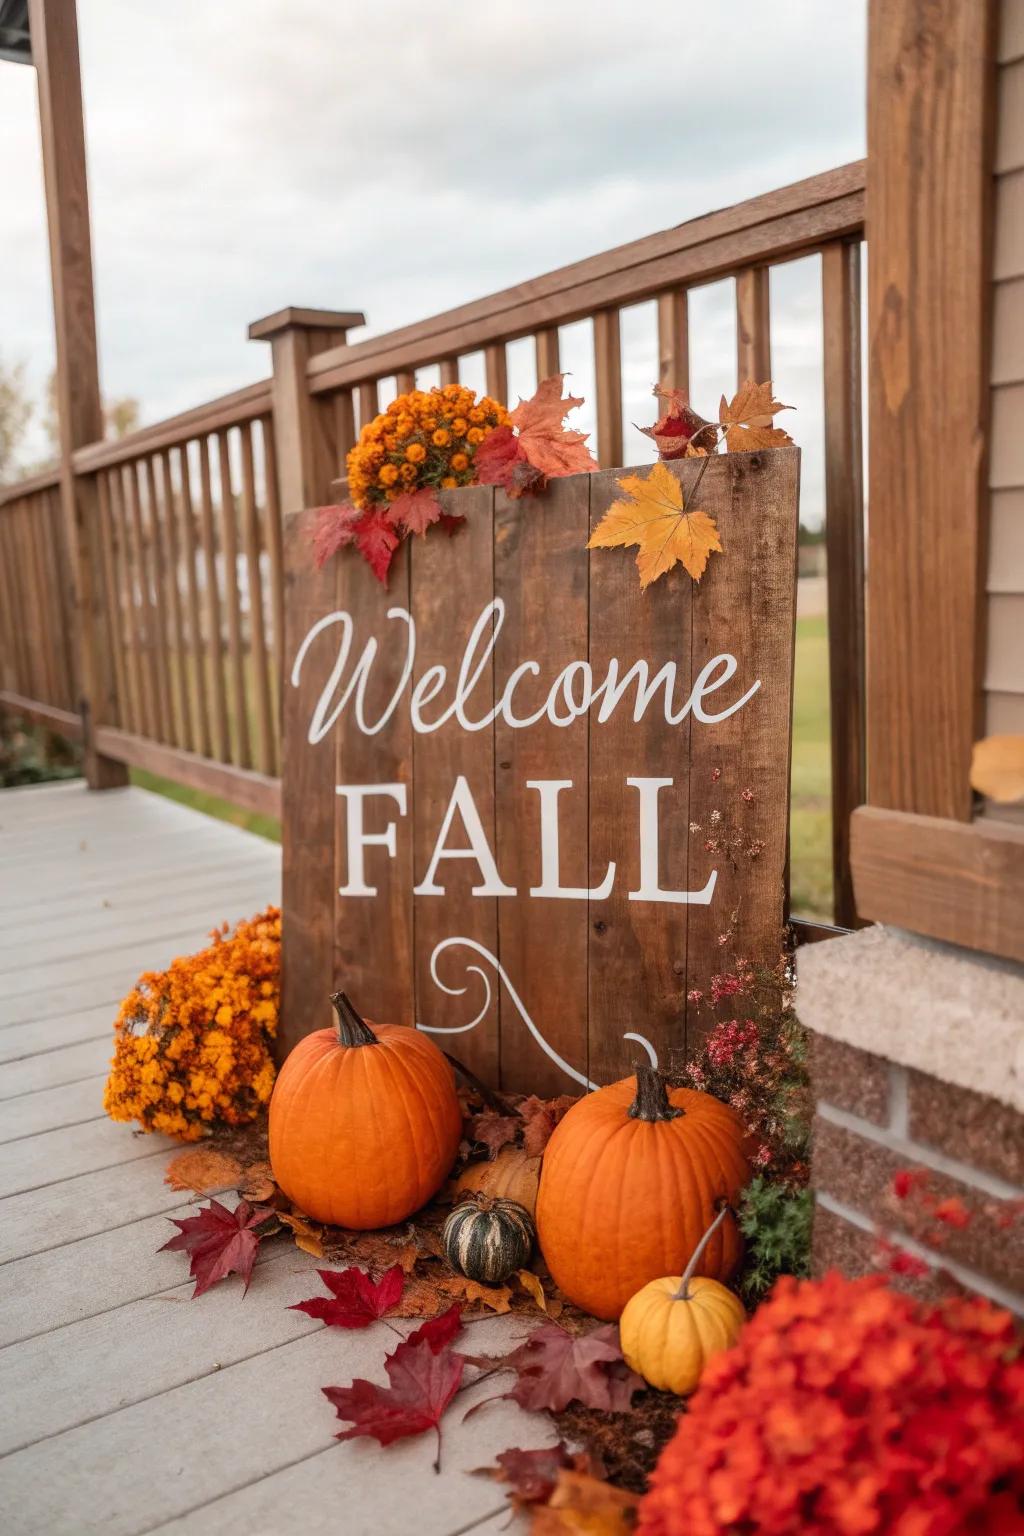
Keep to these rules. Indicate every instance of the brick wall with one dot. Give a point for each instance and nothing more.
(875, 1118)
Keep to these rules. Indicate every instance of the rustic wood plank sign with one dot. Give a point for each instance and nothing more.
(527, 806)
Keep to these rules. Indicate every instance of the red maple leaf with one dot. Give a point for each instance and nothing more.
(334, 527)
(555, 1368)
(220, 1242)
(414, 511)
(355, 1300)
(425, 1373)
(376, 541)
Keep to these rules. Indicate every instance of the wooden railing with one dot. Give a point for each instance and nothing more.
(184, 518)
(38, 675)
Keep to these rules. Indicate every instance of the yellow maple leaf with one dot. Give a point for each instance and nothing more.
(997, 768)
(747, 418)
(657, 520)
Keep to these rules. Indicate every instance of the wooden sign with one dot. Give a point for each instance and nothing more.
(527, 806)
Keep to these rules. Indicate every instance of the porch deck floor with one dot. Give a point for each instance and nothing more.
(125, 1407)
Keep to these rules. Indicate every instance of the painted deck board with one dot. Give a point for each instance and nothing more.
(125, 1406)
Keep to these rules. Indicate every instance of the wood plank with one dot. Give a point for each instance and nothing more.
(47, 1291)
(135, 708)
(58, 544)
(259, 654)
(368, 404)
(132, 955)
(275, 555)
(202, 740)
(92, 1368)
(112, 600)
(844, 538)
(39, 1162)
(123, 1471)
(241, 743)
(405, 380)
(51, 1109)
(608, 374)
(169, 503)
(149, 641)
(635, 949)
(308, 805)
(541, 568)
(93, 1202)
(777, 225)
(221, 734)
(449, 371)
(363, 930)
(446, 598)
(39, 577)
(674, 340)
(45, 1035)
(929, 191)
(753, 326)
(747, 598)
(157, 561)
(962, 882)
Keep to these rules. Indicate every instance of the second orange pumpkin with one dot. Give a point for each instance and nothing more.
(630, 1181)
(364, 1122)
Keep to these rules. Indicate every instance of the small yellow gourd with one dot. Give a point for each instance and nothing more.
(671, 1328)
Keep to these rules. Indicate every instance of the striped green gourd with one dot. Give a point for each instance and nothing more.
(487, 1238)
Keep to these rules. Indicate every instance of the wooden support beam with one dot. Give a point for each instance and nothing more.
(53, 26)
(753, 331)
(930, 109)
(844, 538)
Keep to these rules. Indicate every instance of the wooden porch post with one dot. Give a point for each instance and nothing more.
(53, 28)
(304, 469)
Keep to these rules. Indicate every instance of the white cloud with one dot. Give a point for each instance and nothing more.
(402, 158)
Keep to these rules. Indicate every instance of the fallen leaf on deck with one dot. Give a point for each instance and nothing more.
(203, 1170)
(997, 768)
(497, 1298)
(424, 1374)
(530, 1283)
(585, 1504)
(257, 1182)
(555, 1368)
(532, 1475)
(654, 517)
(356, 1300)
(307, 1235)
(219, 1242)
(747, 418)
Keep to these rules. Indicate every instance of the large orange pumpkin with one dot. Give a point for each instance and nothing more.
(631, 1180)
(364, 1122)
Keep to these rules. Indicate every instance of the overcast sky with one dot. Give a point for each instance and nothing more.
(402, 158)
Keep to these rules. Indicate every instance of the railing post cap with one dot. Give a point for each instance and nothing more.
(292, 318)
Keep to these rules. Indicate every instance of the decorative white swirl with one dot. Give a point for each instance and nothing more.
(475, 970)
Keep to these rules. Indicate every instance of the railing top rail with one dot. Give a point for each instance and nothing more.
(776, 226)
(226, 411)
(45, 480)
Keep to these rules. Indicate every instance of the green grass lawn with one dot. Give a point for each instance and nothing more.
(811, 833)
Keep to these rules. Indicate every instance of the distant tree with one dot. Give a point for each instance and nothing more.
(15, 415)
(120, 416)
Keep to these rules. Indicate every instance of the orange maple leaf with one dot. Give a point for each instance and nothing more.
(747, 418)
(656, 519)
(548, 446)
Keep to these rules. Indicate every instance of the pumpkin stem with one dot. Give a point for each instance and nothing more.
(683, 1293)
(350, 1028)
(651, 1102)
